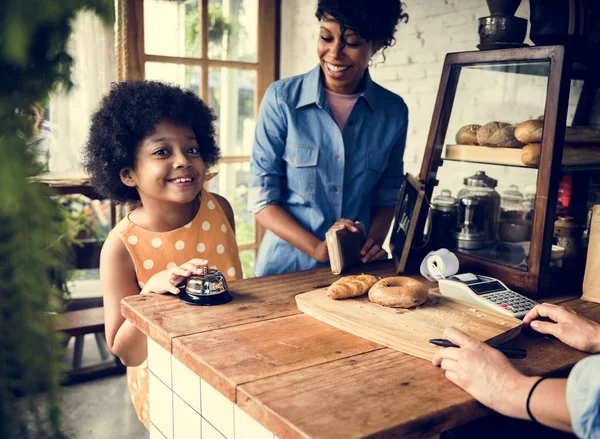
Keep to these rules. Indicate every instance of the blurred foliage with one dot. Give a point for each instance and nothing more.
(34, 234)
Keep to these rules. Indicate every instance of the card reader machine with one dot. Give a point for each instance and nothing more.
(486, 291)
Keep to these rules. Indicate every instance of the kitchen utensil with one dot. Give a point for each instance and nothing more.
(502, 29)
(470, 233)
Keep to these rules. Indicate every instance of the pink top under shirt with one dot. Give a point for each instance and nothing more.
(341, 106)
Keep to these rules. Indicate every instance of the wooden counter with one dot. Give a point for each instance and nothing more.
(298, 377)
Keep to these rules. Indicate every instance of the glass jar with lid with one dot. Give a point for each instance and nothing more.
(442, 220)
(515, 224)
(482, 187)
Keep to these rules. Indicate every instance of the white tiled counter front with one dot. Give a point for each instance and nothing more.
(183, 406)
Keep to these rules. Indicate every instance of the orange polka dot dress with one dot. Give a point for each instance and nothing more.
(208, 236)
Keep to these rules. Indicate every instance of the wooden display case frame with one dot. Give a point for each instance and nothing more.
(540, 279)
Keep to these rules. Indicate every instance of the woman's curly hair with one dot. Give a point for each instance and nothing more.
(373, 20)
(128, 114)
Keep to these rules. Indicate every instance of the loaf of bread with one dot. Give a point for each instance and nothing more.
(467, 135)
(531, 131)
(572, 155)
(351, 286)
(498, 134)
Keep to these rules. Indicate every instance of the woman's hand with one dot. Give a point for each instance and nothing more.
(321, 253)
(166, 281)
(484, 372)
(570, 328)
(372, 251)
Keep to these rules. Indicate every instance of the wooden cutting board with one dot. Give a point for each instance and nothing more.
(408, 331)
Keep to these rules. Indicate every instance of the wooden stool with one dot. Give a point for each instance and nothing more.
(79, 323)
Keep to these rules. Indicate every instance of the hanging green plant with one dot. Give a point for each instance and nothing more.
(33, 248)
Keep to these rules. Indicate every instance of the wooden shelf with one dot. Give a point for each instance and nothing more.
(500, 156)
(486, 155)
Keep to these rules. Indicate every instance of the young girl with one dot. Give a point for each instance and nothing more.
(151, 144)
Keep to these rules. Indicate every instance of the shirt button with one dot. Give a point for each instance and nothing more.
(338, 158)
(337, 190)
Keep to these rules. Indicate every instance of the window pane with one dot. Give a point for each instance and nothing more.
(233, 30)
(185, 76)
(247, 257)
(232, 183)
(172, 28)
(231, 96)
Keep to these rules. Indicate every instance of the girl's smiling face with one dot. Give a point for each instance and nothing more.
(168, 165)
(343, 58)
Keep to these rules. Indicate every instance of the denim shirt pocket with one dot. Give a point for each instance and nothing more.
(376, 161)
(302, 168)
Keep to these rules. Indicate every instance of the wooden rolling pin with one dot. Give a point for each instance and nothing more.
(572, 155)
(531, 132)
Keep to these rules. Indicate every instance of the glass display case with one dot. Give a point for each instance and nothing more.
(498, 168)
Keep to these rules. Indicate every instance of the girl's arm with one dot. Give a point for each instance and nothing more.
(117, 275)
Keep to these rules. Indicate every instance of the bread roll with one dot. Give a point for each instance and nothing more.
(399, 292)
(531, 131)
(572, 156)
(467, 135)
(351, 286)
(498, 134)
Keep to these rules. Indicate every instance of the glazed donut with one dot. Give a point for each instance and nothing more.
(398, 292)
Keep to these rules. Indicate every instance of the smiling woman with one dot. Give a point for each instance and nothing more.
(329, 144)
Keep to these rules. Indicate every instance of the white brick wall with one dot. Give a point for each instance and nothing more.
(413, 67)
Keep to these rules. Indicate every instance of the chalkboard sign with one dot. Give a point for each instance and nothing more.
(406, 217)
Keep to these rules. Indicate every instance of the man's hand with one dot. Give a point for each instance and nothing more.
(570, 328)
(483, 372)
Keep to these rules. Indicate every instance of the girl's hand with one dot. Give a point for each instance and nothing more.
(483, 372)
(166, 281)
(576, 331)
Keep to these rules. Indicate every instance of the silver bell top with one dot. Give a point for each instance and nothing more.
(209, 283)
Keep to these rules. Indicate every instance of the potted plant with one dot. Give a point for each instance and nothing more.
(33, 62)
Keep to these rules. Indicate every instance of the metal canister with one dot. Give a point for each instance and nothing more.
(483, 187)
(568, 236)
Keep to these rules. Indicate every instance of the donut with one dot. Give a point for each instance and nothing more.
(398, 292)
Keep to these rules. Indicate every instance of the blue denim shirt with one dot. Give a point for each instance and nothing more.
(302, 161)
(583, 397)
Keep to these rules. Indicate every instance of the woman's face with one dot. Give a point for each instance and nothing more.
(343, 58)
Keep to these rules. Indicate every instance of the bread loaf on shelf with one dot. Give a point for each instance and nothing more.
(498, 134)
(351, 286)
(467, 135)
(572, 155)
(531, 131)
